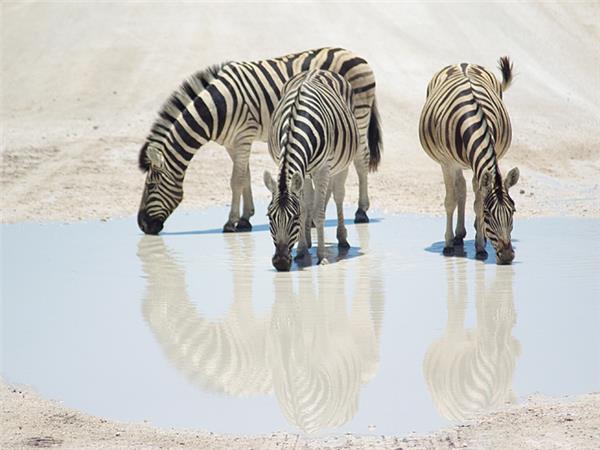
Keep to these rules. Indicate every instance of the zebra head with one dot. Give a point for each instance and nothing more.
(162, 190)
(498, 211)
(284, 217)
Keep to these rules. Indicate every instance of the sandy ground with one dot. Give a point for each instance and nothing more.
(81, 84)
(80, 93)
(559, 424)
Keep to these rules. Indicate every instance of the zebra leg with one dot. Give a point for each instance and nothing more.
(248, 209)
(305, 205)
(339, 190)
(480, 252)
(321, 181)
(362, 169)
(460, 188)
(450, 205)
(240, 172)
(309, 198)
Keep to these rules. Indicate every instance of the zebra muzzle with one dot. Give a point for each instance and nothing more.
(505, 255)
(149, 225)
(282, 259)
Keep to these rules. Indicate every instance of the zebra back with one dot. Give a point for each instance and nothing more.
(314, 124)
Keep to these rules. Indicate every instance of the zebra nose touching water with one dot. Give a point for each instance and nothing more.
(314, 137)
(464, 124)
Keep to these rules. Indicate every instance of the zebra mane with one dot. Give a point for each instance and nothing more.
(175, 105)
(498, 183)
(282, 185)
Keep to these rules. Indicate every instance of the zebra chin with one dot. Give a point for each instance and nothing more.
(148, 224)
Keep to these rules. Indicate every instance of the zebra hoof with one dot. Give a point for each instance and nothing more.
(448, 251)
(361, 216)
(458, 242)
(229, 227)
(343, 245)
(243, 225)
(481, 255)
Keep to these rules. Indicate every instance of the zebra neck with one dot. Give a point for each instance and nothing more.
(287, 168)
(484, 160)
(188, 132)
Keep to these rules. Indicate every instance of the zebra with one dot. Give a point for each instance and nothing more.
(314, 133)
(464, 124)
(232, 104)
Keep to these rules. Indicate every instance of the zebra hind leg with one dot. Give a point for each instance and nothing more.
(362, 170)
(339, 191)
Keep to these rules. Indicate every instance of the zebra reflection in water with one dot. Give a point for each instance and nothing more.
(471, 370)
(312, 351)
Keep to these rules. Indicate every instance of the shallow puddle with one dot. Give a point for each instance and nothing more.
(194, 329)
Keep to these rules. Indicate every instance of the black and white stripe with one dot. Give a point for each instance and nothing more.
(232, 104)
(314, 133)
(464, 124)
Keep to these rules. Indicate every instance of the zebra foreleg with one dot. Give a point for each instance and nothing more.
(460, 189)
(309, 198)
(305, 220)
(321, 181)
(450, 205)
(339, 191)
(362, 170)
(248, 209)
(480, 252)
(240, 172)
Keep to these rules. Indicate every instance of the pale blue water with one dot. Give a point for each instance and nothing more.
(194, 329)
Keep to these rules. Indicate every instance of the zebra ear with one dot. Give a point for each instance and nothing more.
(269, 181)
(157, 160)
(511, 178)
(297, 183)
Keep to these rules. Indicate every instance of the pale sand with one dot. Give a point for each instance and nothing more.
(541, 423)
(81, 85)
(80, 92)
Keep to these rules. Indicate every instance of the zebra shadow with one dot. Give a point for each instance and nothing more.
(260, 228)
(470, 370)
(313, 351)
(468, 251)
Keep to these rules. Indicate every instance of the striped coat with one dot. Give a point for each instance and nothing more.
(232, 104)
(465, 125)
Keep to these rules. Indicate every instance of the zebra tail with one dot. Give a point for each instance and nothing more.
(374, 138)
(506, 67)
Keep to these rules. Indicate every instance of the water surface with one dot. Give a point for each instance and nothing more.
(193, 328)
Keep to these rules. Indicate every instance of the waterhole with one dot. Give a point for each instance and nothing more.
(194, 329)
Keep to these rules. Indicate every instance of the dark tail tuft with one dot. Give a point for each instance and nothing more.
(143, 162)
(506, 67)
(374, 136)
